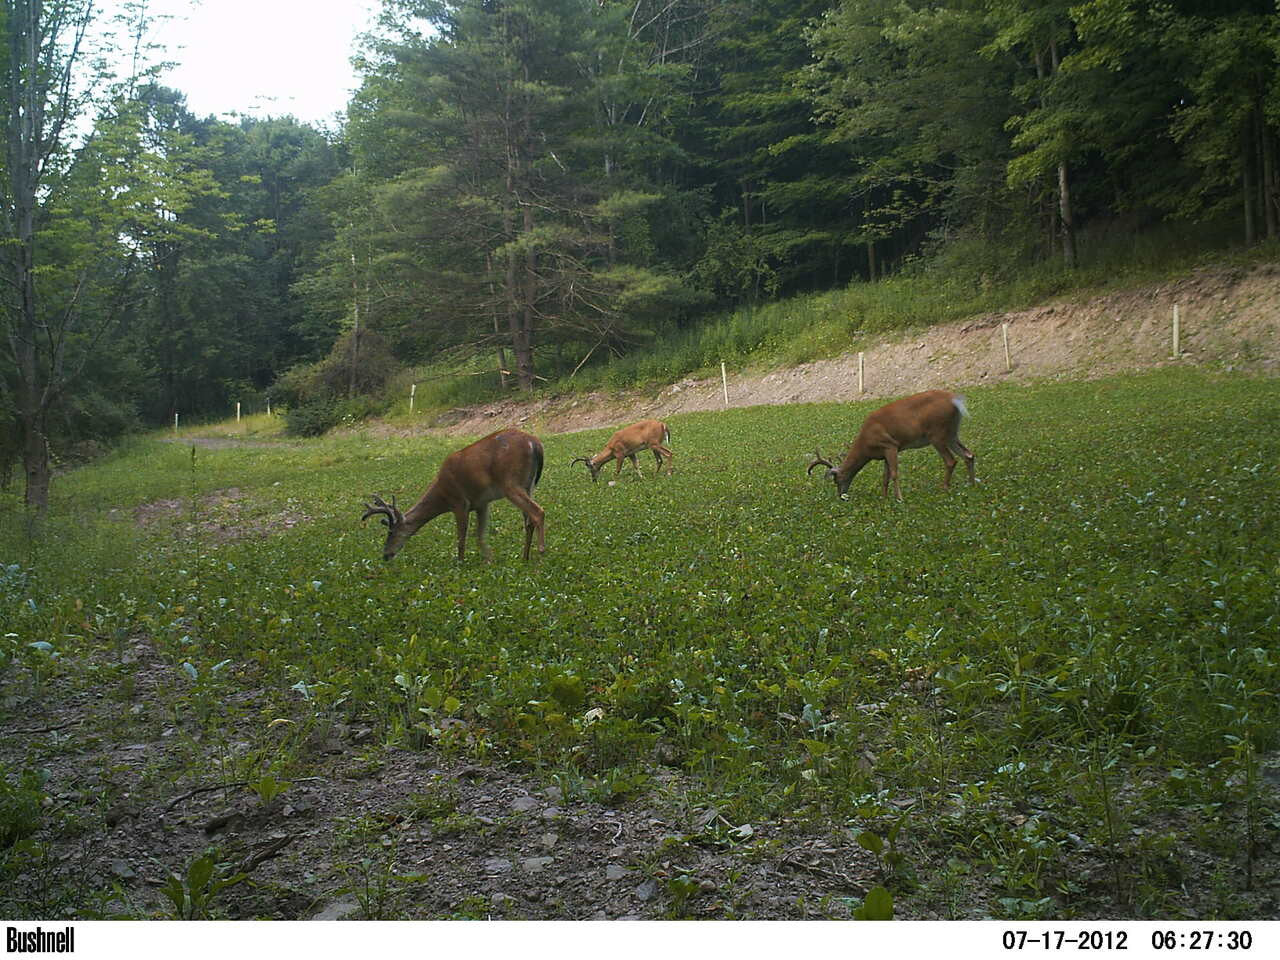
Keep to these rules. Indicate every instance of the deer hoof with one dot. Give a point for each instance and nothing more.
(844, 496)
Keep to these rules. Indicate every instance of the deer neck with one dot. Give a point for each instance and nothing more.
(432, 504)
(855, 461)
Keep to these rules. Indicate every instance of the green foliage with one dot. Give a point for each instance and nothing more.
(878, 905)
(345, 387)
(267, 787)
(20, 809)
(195, 894)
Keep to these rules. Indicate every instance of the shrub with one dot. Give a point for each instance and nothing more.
(317, 396)
(19, 809)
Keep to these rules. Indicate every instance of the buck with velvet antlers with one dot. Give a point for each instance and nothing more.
(627, 442)
(923, 419)
(504, 464)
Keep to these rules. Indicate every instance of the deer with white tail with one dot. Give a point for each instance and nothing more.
(504, 464)
(924, 419)
(627, 442)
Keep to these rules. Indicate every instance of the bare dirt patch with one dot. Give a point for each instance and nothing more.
(222, 515)
(1230, 320)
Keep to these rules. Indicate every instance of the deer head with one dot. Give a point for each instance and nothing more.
(397, 530)
(595, 470)
(842, 487)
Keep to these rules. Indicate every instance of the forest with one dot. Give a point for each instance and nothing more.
(527, 188)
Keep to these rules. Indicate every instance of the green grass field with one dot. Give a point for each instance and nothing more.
(1052, 693)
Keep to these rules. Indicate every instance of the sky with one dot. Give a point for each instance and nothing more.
(263, 57)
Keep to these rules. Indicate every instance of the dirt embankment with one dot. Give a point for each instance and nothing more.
(1230, 319)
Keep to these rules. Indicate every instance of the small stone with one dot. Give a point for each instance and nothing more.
(497, 865)
(615, 871)
(536, 864)
(647, 890)
(501, 900)
(549, 840)
(524, 804)
(554, 794)
(122, 870)
(707, 886)
(338, 910)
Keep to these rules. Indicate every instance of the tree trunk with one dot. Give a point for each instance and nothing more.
(1050, 221)
(35, 465)
(44, 52)
(871, 261)
(355, 327)
(524, 349)
(1247, 188)
(31, 395)
(1068, 225)
(518, 314)
(497, 330)
(1269, 211)
(1064, 188)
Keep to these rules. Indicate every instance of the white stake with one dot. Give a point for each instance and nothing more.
(1176, 331)
(268, 408)
(175, 421)
(1008, 361)
(861, 388)
(413, 388)
(237, 411)
(724, 382)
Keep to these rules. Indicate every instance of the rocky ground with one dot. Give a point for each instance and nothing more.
(374, 833)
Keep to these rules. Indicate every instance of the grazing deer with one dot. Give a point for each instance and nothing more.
(504, 464)
(627, 442)
(932, 417)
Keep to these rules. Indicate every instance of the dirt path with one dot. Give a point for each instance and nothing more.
(1230, 319)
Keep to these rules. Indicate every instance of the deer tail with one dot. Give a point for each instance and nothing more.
(537, 464)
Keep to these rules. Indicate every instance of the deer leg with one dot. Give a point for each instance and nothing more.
(534, 518)
(463, 516)
(636, 463)
(482, 531)
(884, 481)
(948, 462)
(660, 452)
(965, 452)
(891, 468)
